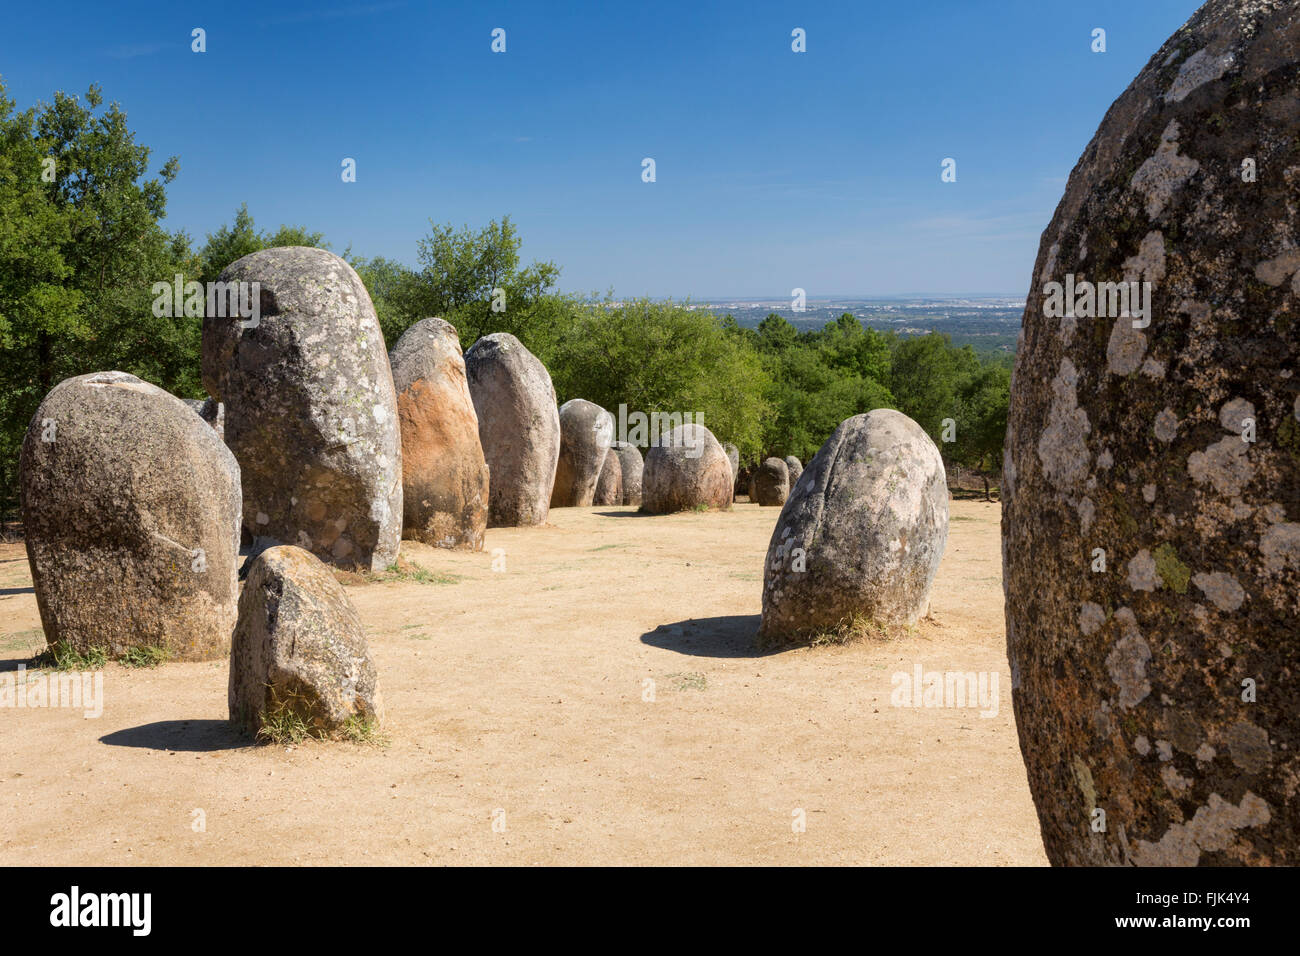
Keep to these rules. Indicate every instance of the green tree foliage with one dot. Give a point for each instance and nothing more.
(241, 238)
(818, 379)
(80, 248)
(473, 280)
(664, 357)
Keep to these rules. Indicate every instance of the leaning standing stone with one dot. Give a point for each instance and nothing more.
(586, 433)
(686, 470)
(861, 535)
(1151, 517)
(131, 510)
(771, 482)
(631, 465)
(299, 654)
(519, 427)
(733, 456)
(609, 486)
(794, 469)
(444, 474)
(311, 413)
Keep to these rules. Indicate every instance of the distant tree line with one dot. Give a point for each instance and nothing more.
(81, 246)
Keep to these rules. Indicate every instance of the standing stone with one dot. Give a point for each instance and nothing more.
(300, 649)
(211, 411)
(771, 482)
(631, 466)
(586, 433)
(686, 469)
(131, 509)
(1151, 524)
(733, 456)
(609, 486)
(861, 535)
(444, 474)
(794, 468)
(311, 413)
(519, 427)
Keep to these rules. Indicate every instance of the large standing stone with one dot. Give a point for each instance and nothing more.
(609, 486)
(131, 510)
(444, 474)
(311, 413)
(794, 468)
(771, 482)
(586, 433)
(861, 535)
(631, 465)
(686, 469)
(519, 427)
(300, 649)
(1151, 525)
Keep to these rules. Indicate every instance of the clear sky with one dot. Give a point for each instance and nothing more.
(774, 169)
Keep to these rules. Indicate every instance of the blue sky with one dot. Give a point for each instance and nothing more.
(774, 169)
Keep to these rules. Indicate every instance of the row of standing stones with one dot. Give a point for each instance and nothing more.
(318, 447)
(1174, 450)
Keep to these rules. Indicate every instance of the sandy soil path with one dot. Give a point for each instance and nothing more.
(520, 694)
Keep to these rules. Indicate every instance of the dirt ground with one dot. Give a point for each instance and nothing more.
(519, 729)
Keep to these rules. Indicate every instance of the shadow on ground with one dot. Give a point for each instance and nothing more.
(186, 736)
(729, 636)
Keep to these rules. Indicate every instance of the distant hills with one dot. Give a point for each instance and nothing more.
(989, 324)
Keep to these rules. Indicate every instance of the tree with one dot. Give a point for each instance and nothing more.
(240, 239)
(80, 249)
(663, 357)
(473, 280)
(982, 420)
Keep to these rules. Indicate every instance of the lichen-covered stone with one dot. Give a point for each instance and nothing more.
(300, 649)
(687, 469)
(586, 433)
(609, 486)
(631, 466)
(771, 482)
(131, 510)
(311, 412)
(794, 468)
(444, 473)
(861, 534)
(1151, 518)
(518, 426)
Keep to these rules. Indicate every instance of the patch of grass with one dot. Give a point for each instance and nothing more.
(282, 724)
(606, 547)
(62, 657)
(700, 507)
(144, 656)
(400, 570)
(364, 730)
(693, 680)
(860, 627)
